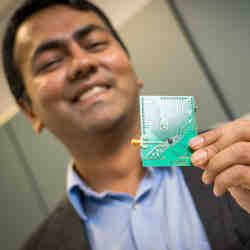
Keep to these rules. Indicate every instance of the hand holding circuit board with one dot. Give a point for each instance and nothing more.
(168, 123)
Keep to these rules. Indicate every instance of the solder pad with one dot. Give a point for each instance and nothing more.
(168, 123)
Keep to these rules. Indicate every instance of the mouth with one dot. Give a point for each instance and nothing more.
(90, 92)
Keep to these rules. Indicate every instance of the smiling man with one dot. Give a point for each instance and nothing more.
(71, 73)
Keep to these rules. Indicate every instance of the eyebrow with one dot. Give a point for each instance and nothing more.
(57, 43)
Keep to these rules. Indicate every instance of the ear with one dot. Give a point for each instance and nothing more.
(34, 119)
(140, 83)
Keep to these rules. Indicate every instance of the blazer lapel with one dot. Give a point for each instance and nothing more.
(214, 212)
(73, 230)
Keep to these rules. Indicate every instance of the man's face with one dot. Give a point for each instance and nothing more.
(77, 75)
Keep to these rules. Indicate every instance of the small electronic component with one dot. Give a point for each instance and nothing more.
(168, 123)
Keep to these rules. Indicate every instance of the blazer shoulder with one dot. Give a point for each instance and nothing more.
(62, 229)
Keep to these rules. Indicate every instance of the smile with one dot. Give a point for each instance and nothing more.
(90, 93)
(90, 90)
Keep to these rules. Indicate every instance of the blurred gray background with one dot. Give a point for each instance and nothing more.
(181, 47)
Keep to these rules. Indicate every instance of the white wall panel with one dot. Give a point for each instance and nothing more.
(166, 63)
(19, 208)
(221, 29)
(46, 158)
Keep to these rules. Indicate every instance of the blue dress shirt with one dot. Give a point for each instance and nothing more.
(162, 216)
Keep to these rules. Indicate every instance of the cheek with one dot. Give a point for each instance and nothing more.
(49, 88)
(119, 62)
(122, 68)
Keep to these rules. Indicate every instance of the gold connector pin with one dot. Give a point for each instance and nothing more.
(136, 142)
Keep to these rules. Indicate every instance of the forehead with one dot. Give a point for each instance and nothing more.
(55, 22)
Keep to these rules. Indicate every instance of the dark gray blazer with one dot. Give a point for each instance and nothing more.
(226, 224)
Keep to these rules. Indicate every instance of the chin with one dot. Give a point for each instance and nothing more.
(107, 126)
(108, 123)
(108, 119)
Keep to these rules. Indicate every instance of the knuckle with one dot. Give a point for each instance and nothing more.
(243, 128)
(208, 135)
(239, 174)
(222, 182)
(241, 151)
(232, 176)
(212, 168)
(212, 150)
(211, 135)
(244, 175)
(217, 132)
(243, 122)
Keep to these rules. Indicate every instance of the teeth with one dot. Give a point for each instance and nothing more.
(91, 92)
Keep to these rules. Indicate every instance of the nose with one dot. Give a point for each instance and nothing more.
(83, 64)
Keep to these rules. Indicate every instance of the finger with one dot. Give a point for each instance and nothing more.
(238, 130)
(238, 153)
(205, 139)
(202, 156)
(242, 196)
(224, 136)
(220, 138)
(235, 176)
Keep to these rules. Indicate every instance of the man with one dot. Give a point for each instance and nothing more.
(70, 72)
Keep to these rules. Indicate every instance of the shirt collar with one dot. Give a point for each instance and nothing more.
(77, 188)
(74, 180)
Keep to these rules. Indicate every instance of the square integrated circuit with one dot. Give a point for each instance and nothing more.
(168, 123)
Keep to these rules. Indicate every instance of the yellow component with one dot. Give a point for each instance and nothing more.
(136, 142)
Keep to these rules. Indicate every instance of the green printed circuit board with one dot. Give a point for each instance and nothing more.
(168, 123)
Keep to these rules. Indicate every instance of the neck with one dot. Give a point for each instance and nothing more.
(111, 162)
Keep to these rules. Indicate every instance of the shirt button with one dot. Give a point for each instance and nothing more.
(136, 206)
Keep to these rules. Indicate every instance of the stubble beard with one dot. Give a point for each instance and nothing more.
(118, 125)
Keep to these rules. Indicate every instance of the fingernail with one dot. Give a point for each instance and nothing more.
(205, 178)
(199, 157)
(217, 193)
(196, 142)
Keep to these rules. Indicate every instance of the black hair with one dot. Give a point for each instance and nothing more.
(26, 10)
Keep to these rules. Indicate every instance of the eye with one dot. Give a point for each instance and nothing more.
(50, 65)
(97, 46)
